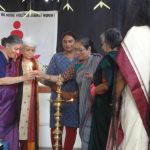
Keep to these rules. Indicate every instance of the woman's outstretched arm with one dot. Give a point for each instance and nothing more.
(13, 80)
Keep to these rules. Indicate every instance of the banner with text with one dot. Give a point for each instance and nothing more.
(41, 27)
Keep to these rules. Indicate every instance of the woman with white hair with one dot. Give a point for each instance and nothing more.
(28, 98)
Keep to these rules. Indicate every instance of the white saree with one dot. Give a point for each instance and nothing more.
(137, 49)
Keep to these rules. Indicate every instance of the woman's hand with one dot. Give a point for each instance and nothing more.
(41, 75)
(69, 95)
(88, 75)
(29, 76)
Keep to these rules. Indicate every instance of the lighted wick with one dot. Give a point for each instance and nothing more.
(70, 100)
(30, 67)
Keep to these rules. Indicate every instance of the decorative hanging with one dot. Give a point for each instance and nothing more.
(31, 12)
(1, 7)
(68, 6)
(101, 4)
(51, 0)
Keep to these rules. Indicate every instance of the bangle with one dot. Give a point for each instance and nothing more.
(93, 91)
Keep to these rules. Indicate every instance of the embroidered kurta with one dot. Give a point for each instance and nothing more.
(28, 105)
(25, 107)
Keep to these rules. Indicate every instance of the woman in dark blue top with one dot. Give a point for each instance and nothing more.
(8, 91)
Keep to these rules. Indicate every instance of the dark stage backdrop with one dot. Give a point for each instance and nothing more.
(83, 21)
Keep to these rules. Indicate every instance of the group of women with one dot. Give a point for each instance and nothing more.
(18, 94)
(88, 68)
(77, 64)
(114, 90)
(110, 92)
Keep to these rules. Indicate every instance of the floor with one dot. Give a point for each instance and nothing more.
(51, 149)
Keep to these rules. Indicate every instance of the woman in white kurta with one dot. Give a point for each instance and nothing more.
(28, 98)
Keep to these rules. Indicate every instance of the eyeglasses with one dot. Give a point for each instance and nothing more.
(80, 49)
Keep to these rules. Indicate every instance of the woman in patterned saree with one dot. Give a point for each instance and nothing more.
(132, 126)
(82, 70)
(28, 98)
(8, 91)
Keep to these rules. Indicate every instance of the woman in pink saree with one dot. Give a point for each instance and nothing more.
(130, 122)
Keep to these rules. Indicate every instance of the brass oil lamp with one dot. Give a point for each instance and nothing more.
(58, 102)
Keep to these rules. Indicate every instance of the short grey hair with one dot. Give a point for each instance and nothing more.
(28, 41)
(12, 39)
